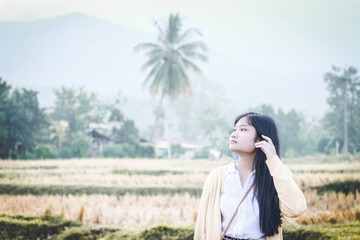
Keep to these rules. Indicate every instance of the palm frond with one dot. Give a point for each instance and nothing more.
(150, 62)
(187, 34)
(195, 55)
(191, 46)
(145, 46)
(178, 79)
(155, 51)
(160, 77)
(174, 26)
(154, 57)
(153, 71)
(171, 78)
(189, 64)
(162, 34)
(157, 25)
(185, 79)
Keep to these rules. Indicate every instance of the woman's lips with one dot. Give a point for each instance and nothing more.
(233, 141)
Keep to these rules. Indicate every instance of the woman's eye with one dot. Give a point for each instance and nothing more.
(242, 129)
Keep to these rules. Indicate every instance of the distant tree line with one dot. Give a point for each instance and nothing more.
(29, 132)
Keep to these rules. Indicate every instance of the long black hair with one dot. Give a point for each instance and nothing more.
(264, 189)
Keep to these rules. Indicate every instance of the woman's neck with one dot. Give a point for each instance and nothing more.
(245, 163)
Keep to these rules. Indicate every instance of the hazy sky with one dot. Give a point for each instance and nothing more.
(297, 40)
(219, 20)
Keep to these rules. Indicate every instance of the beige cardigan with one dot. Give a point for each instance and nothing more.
(291, 200)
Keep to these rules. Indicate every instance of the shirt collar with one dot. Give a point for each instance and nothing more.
(232, 169)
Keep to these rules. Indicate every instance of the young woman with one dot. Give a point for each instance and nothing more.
(258, 175)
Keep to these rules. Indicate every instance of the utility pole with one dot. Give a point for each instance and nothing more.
(345, 149)
(167, 137)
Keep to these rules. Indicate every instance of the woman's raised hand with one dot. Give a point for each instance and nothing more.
(266, 146)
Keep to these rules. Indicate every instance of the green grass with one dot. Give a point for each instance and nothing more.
(20, 227)
(347, 186)
(299, 171)
(350, 231)
(148, 172)
(32, 227)
(22, 189)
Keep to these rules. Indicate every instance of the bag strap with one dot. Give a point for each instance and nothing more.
(237, 210)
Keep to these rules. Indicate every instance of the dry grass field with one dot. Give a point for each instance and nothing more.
(136, 210)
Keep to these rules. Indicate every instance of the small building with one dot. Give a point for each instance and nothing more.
(162, 144)
(99, 140)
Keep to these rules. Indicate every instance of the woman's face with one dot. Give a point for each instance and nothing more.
(242, 139)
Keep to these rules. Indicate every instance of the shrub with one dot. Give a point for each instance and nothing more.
(164, 232)
(122, 235)
(347, 186)
(145, 151)
(177, 150)
(113, 150)
(65, 151)
(133, 150)
(323, 232)
(76, 233)
(304, 233)
(45, 151)
(202, 154)
(15, 155)
(81, 146)
(32, 227)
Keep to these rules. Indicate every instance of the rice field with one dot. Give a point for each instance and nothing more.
(151, 204)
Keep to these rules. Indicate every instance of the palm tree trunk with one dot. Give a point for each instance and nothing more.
(161, 98)
(157, 117)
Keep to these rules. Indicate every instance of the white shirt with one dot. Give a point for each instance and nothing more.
(246, 222)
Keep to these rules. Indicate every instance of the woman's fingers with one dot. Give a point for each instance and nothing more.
(267, 138)
(261, 142)
(266, 146)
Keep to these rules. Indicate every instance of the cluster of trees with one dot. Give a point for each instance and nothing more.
(342, 123)
(297, 135)
(338, 131)
(28, 132)
(21, 121)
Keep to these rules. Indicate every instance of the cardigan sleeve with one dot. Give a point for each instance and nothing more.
(291, 198)
(208, 221)
(200, 226)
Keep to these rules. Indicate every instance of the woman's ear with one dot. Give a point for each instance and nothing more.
(259, 138)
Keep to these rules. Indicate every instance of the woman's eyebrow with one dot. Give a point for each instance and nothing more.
(242, 125)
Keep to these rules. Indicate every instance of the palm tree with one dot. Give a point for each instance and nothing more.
(170, 59)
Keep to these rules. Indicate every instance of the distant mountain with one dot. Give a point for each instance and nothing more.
(71, 50)
(81, 50)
